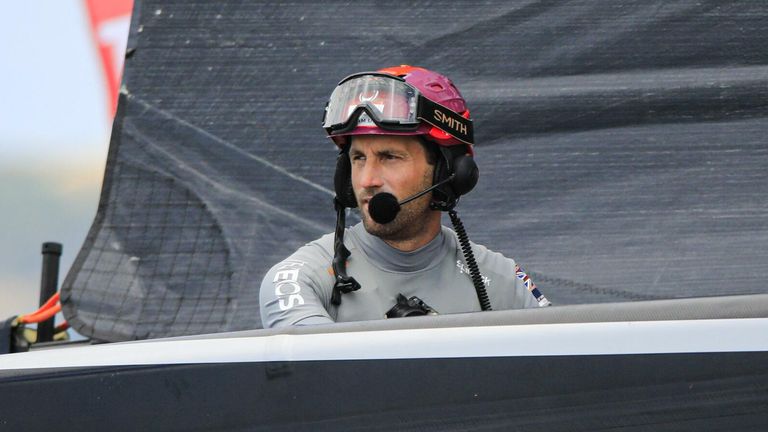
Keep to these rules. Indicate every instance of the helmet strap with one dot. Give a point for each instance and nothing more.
(344, 283)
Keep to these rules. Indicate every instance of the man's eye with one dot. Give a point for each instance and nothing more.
(357, 157)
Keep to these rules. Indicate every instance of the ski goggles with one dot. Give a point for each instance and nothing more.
(373, 99)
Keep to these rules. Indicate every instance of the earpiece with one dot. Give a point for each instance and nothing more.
(453, 160)
(467, 174)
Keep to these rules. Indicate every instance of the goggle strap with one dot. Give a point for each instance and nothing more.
(446, 120)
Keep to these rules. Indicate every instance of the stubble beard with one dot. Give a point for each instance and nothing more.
(410, 221)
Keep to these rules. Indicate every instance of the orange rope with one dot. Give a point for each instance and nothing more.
(61, 327)
(40, 315)
(51, 301)
(35, 316)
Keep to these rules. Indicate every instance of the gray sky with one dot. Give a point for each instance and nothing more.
(54, 134)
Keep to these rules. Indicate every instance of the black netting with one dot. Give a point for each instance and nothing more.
(621, 148)
(159, 265)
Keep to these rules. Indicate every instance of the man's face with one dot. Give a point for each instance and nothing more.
(394, 164)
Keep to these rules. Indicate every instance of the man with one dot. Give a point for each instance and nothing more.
(406, 138)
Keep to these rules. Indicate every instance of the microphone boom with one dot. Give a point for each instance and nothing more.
(384, 207)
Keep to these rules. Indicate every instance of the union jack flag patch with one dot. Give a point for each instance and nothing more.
(530, 286)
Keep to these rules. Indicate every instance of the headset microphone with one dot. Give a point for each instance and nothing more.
(384, 207)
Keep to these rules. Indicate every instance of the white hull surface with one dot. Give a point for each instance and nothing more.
(492, 371)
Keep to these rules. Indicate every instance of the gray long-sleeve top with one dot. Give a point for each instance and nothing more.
(297, 290)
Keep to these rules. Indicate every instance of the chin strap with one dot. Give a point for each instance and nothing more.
(344, 284)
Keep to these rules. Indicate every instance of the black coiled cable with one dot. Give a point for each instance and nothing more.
(469, 257)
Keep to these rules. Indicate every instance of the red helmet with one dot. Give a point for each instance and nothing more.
(357, 105)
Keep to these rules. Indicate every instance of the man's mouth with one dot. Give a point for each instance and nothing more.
(365, 204)
(367, 198)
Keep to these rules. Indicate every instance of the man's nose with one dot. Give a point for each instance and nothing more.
(370, 175)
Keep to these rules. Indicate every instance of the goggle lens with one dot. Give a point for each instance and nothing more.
(385, 98)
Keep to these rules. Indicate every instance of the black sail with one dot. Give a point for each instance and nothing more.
(621, 148)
